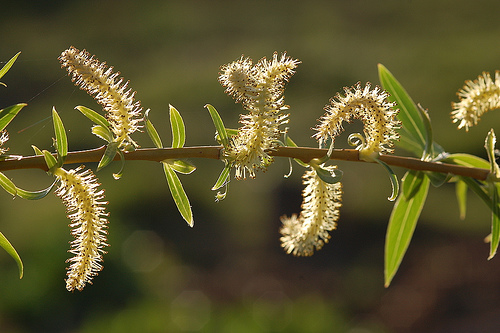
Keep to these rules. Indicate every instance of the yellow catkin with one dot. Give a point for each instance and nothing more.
(85, 207)
(260, 89)
(372, 108)
(476, 98)
(108, 89)
(309, 231)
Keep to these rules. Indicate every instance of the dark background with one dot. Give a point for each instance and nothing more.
(228, 273)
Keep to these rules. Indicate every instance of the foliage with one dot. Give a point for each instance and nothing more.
(389, 116)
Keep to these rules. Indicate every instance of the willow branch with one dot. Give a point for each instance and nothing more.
(214, 152)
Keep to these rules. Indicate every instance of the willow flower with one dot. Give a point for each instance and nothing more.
(114, 95)
(85, 207)
(4, 137)
(372, 108)
(476, 98)
(260, 89)
(304, 233)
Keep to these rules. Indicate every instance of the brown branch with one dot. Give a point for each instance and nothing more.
(213, 152)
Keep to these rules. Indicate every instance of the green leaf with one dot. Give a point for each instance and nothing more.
(50, 160)
(151, 130)
(393, 178)
(180, 166)
(330, 177)
(7, 114)
(61, 139)
(224, 178)
(36, 150)
(461, 193)
(402, 223)
(495, 221)
(178, 131)
(219, 125)
(7, 184)
(34, 195)
(489, 144)
(7, 246)
(178, 194)
(93, 116)
(290, 143)
(438, 178)
(8, 65)
(118, 175)
(103, 133)
(468, 160)
(413, 131)
(109, 155)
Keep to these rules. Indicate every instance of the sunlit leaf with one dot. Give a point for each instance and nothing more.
(7, 114)
(330, 177)
(180, 166)
(393, 178)
(413, 130)
(489, 144)
(495, 221)
(7, 184)
(34, 195)
(223, 179)
(402, 223)
(7, 246)
(50, 160)
(290, 143)
(93, 116)
(8, 65)
(178, 194)
(103, 132)
(178, 130)
(219, 125)
(36, 150)
(151, 130)
(61, 139)
(461, 193)
(109, 155)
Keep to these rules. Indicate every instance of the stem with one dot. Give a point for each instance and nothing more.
(214, 152)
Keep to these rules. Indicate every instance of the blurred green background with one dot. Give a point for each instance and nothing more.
(228, 273)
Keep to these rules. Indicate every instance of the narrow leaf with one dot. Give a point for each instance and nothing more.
(36, 150)
(151, 130)
(223, 179)
(7, 114)
(178, 194)
(495, 221)
(290, 143)
(402, 223)
(178, 130)
(50, 160)
(461, 193)
(393, 178)
(93, 116)
(181, 166)
(413, 131)
(489, 144)
(61, 139)
(329, 177)
(219, 125)
(7, 184)
(109, 155)
(8, 65)
(119, 174)
(7, 246)
(102, 132)
(34, 195)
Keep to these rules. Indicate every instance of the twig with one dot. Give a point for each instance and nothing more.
(214, 152)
